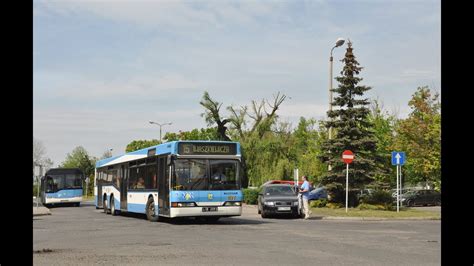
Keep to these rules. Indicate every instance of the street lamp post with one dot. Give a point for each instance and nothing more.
(339, 42)
(160, 125)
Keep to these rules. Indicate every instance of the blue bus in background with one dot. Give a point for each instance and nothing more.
(199, 179)
(62, 186)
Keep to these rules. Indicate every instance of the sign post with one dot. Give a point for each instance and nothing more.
(295, 178)
(38, 184)
(87, 184)
(347, 157)
(400, 178)
(398, 159)
(398, 191)
(38, 187)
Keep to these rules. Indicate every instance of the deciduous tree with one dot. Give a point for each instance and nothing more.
(420, 137)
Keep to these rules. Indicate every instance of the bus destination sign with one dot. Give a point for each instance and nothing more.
(207, 148)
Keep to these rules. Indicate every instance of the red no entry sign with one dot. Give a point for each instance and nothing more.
(347, 156)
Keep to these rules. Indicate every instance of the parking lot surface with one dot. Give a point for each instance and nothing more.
(86, 236)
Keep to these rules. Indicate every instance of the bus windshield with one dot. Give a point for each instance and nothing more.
(202, 174)
(68, 181)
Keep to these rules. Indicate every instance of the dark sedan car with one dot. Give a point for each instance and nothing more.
(318, 193)
(277, 199)
(421, 197)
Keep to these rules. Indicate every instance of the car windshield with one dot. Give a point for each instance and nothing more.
(279, 190)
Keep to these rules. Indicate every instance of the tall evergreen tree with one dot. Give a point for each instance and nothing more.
(353, 132)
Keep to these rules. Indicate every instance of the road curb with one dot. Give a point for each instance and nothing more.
(41, 211)
(373, 218)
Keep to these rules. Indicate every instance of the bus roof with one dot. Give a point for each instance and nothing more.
(282, 182)
(62, 171)
(164, 148)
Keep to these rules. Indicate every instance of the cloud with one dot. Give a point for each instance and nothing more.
(297, 110)
(61, 129)
(417, 73)
(104, 68)
(152, 14)
(72, 86)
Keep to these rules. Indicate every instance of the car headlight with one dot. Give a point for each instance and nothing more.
(269, 203)
(295, 203)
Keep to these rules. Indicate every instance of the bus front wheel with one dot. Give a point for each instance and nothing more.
(104, 204)
(150, 210)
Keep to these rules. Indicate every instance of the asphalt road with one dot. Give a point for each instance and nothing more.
(85, 236)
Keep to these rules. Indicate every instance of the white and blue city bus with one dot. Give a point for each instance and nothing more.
(174, 179)
(62, 186)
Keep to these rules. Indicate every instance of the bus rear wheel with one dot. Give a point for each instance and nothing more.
(112, 207)
(150, 210)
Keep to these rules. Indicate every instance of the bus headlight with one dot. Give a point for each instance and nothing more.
(232, 203)
(183, 204)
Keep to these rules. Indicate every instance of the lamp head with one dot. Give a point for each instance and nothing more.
(339, 42)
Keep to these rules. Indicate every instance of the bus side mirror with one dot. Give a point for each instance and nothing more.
(170, 159)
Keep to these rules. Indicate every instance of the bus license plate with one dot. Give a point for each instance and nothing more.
(209, 209)
(284, 208)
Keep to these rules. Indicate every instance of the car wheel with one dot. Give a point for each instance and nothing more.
(264, 215)
(258, 209)
(410, 203)
(150, 210)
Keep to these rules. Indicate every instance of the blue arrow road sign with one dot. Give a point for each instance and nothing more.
(398, 157)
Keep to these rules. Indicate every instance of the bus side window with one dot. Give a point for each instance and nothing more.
(117, 178)
(132, 181)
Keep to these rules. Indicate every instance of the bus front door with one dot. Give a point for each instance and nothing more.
(123, 188)
(99, 194)
(163, 187)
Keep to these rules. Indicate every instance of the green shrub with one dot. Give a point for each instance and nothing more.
(337, 194)
(250, 195)
(379, 197)
(318, 203)
(365, 206)
(333, 205)
(35, 190)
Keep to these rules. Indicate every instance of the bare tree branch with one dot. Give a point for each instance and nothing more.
(238, 119)
(211, 114)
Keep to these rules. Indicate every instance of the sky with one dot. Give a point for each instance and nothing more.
(103, 69)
